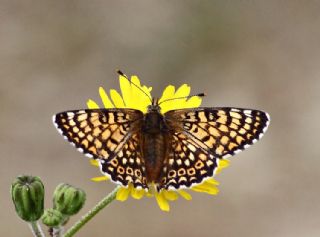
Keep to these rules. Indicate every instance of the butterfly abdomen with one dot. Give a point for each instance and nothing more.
(154, 144)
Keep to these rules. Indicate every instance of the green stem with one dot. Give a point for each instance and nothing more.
(57, 231)
(87, 217)
(36, 229)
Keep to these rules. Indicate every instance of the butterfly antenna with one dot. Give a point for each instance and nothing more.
(183, 97)
(125, 76)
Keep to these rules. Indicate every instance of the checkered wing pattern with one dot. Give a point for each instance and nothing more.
(186, 163)
(109, 135)
(202, 136)
(128, 166)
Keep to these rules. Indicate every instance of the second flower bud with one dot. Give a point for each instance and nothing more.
(68, 200)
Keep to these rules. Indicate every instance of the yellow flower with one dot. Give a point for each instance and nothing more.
(130, 97)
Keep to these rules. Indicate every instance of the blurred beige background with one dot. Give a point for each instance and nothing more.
(258, 54)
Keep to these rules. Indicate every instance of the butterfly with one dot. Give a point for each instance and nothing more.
(178, 149)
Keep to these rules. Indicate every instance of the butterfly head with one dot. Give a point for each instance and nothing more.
(154, 107)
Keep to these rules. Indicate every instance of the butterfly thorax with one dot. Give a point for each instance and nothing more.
(154, 142)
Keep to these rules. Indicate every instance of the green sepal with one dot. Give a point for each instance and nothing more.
(53, 218)
(27, 194)
(68, 199)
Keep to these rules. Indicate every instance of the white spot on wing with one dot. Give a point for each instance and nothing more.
(268, 116)
(60, 131)
(56, 125)
(70, 114)
(247, 112)
(235, 110)
(192, 147)
(218, 161)
(88, 155)
(226, 156)
(172, 188)
(187, 162)
(54, 119)
(237, 151)
(191, 156)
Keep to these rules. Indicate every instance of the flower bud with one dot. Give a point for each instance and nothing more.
(68, 199)
(27, 194)
(52, 218)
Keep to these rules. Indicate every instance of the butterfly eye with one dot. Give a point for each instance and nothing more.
(154, 108)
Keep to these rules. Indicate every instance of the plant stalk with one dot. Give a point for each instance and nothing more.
(36, 229)
(95, 210)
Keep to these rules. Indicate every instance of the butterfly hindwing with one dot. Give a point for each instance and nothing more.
(186, 164)
(221, 131)
(128, 165)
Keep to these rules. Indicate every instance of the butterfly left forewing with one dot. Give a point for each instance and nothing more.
(99, 133)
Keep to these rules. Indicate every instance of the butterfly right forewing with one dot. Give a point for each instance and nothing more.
(199, 137)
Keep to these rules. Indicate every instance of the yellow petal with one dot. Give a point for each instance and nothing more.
(136, 95)
(168, 93)
(193, 102)
(162, 201)
(185, 195)
(123, 194)
(126, 92)
(137, 194)
(94, 162)
(140, 100)
(100, 178)
(206, 188)
(222, 164)
(116, 99)
(183, 91)
(170, 195)
(146, 90)
(135, 79)
(105, 99)
(212, 181)
(149, 194)
(92, 104)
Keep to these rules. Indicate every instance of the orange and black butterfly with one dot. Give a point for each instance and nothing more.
(177, 149)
